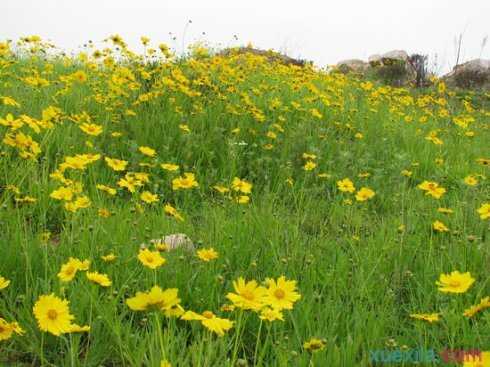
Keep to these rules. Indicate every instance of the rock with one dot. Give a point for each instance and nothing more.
(176, 240)
(390, 57)
(474, 74)
(374, 60)
(352, 65)
(393, 68)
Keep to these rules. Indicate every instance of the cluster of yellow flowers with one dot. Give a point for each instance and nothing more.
(455, 283)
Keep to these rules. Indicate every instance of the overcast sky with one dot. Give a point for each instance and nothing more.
(319, 30)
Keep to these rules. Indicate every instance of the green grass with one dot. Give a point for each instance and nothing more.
(359, 275)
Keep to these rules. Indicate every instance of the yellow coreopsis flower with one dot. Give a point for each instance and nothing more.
(169, 166)
(166, 301)
(70, 269)
(314, 345)
(207, 254)
(455, 282)
(364, 194)
(91, 129)
(429, 317)
(116, 164)
(484, 211)
(346, 185)
(471, 180)
(309, 166)
(98, 278)
(480, 360)
(241, 185)
(187, 181)
(151, 259)
(439, 226)
(148, 197)
(248, 296)
(281, 294)
(62, 193)
(210, 321)
(53, 314)
(170, 210)
(109, 257)
(4, 283)
(147, 151)
(271, 314)
(473, 310)
(432, 188)
(8, 328)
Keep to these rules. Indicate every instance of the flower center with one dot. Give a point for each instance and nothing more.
(208, 314)
(52, 314)
(248, 295)
(279, 294)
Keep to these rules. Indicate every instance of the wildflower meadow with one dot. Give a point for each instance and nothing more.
(227, 209)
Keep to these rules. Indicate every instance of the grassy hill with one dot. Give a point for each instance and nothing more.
(361, 195)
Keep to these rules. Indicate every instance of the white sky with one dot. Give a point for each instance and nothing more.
(323, 31)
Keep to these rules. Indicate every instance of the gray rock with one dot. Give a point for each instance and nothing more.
(352, 65)
(474, 74)
(176, 240)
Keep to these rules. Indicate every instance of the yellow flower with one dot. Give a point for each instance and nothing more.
(116, 164)
(455, 282)
(365, 193)
(184, 128)
(243, 199)
(169, 166)
(482, 360)
(4, 283)
(471, 180)
(439, 226)
(248, 296)
(429, 317)
(473, 310)
(170, 210)
(111, 191)
(484, 211)
(147, 151)
(148, 197)
(74, 328)
(151, 259)
(432, 188)
(188, 181)
(221, 189)
(165, 363)
(62, 193)
(70, 269)
(109, 257)
(241, 185)
(210, 321)
(8, 328)
(346, 185)
(91, 129)
(103, 212)
(406, 173)
(166, 301)
(98, 278)
(207, 254)
(309, 156)
(79, 203)
(445, 210)
(314, 345)
(271, 314)
(309, 165)
(53, 314)
(281, 294)
(9, 101)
